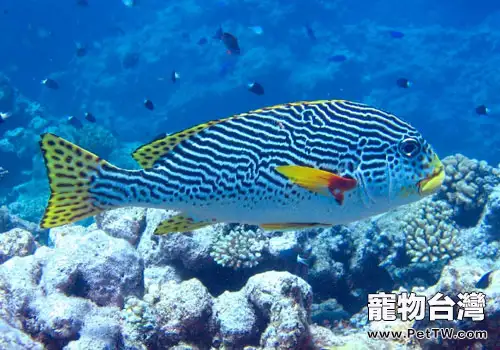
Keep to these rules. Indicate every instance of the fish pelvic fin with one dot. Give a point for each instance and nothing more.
(72, 172)
(180, 223)
(292, 226)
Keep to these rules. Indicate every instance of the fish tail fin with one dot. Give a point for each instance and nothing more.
(72, 173)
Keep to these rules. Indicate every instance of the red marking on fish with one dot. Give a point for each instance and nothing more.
(338, 185)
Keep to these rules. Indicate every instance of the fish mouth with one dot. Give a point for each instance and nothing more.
(433, 182)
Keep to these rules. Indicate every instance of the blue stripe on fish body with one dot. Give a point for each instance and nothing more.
(226, 169)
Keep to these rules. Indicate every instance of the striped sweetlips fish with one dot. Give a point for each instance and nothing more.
(289, 166)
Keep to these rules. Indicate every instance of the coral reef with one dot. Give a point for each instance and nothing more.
(92, 290)
(16, 242)
(285, 300)
(126, 223)
(9, 222)
(331, 250)
(239, 246)
(468, 184)
(483, 240)
(191, 251)
(114, 283)
(95, 266)
(138, 322)
(21, 142)
(478, 242)
(234, 320)
(182, 310)
(328, 312)
(59, 295)
(458, 276)
(31, 200)
(95, 138)
(490, 220)
(19, 150)
(13, 338)
(347, 262)
(430, 232)
(287, 244)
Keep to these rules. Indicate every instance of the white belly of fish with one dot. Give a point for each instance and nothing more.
(316, 209)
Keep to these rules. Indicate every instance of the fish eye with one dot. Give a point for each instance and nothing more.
(409, 147)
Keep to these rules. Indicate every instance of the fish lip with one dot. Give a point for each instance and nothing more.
(432, 183)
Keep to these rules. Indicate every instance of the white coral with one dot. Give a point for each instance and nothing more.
(16, 242)
(239, 248)
(430, 232)
(138, 321)
(468, 182)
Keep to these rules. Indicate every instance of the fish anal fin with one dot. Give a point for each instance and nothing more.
(180, 223)
(318, 181)
(291, 226)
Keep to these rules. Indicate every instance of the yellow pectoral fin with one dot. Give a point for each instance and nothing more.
(319, 181)
(180, 223)
(291, 226)
(314, 180)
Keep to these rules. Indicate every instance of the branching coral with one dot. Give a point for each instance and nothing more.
(31, 198)
(138, 321)
(239, 246)
(22, 142)
(468, 182)
(430, 232)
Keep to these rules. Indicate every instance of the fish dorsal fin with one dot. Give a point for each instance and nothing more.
(180, 223)
(148, 154)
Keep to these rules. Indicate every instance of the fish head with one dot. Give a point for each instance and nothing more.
(395, 164)
(413, 170)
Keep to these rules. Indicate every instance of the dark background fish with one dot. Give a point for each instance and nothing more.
(231, 43)
(310, 32)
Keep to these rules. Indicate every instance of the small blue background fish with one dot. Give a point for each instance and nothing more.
(337, 58)
(396, 34)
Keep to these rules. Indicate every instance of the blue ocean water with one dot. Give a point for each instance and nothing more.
(66, 62)
(448, 50)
